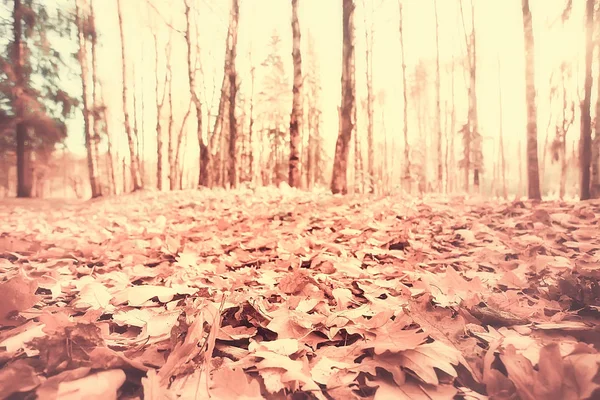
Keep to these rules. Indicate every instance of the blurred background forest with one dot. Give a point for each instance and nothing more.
(101, 97)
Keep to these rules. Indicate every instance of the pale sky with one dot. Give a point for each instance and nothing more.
(499, 40)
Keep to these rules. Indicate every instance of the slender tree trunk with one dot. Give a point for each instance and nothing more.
(585, 140)
(595, 172)
(501, 134)
(99, 111)
(358, 164)
(215, 163)
(369, 79)
(474, 117)
(171, 133)
(407, 167)
(533, 175)
(142, 124)
(545, 151)
(82, 58)
(135, 170)
(232, 75)
(472, 138)
(567, 119)
(453, 127)
(135, 118)
(440, 169)
(251, 127)
(339, 183)
(180, 136)
(24, 184)
(160, 102)
(596, 143)
(563, 171)
(110, 156)
(297, 110)
(521, 181)
(204, 150)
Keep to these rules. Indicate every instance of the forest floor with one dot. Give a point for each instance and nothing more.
(285, 294)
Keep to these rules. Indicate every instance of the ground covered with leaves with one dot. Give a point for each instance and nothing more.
(283, 294)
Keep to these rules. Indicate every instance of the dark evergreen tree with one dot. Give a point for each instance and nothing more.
(33, 104)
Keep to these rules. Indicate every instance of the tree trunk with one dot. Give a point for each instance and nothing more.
(585, 139)
(24, 186)
(160, 102)
(595, 178)
(438, 121)
(407, 168)
(453, 128)
(209, 179)
(135, 170)
(521, 184)
(563, 171)
(99, 111)
(339, 183)
(251, 127)
(358, 163)
(82, 58)
(472, 138)
(369, 33)
(136, 118)
(533, 175)
(232, 35)
(170, 133)
(501, 134)
(204, 153)
(177, 159)
(297, 110)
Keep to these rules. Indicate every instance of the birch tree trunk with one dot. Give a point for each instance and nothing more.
(407, 167)
(501, 134)
(251, 127)
(339, 181)
(135, 170)
(160, 102)
(204, 156)
(294, 177)
(83, 63)
(369, 79)
(533, 174)
(171, 131)
(232, 35)
(438, 120)
(99, 109)
(585, 139)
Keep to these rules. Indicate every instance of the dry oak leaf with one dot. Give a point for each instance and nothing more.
(93, 296)
(394, 338)
(49, 389)
(17, 294)
(325, 368)
(222, 386)
(294, 283)
(569, 378)
(291, 372)
(17, 377)
(18, 338)
(137, 296)
(155, 322)
(423, 359)
(236, 333)
(412, 391)
(103, 385)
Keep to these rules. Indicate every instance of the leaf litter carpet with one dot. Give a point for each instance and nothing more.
(288, 295)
